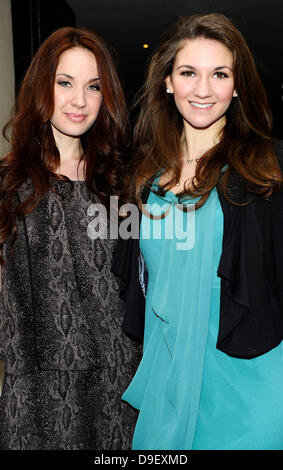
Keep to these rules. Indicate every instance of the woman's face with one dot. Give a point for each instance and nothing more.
(202, 81)
(77, 96)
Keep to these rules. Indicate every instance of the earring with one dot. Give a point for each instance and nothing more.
(235, 95)
(167, 90)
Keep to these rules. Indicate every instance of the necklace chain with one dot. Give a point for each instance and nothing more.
(190, 161)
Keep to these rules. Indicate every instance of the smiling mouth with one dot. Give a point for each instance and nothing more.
(76, 117)
(201, 105)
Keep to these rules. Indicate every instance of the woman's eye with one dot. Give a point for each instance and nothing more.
(64, 83)
(94, 87)
(188, 73)
(220, 75)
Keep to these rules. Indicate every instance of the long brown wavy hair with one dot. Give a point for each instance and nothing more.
(34, 154)
(245, 144)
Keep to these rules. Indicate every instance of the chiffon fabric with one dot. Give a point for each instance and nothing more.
(190, 394)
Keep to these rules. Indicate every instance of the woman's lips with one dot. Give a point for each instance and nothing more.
(201, 106)
(76, 117)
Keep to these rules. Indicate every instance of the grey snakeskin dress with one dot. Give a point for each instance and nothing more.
(67, 360)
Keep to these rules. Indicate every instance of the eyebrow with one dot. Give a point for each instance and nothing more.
(70, 76)
(220, 67)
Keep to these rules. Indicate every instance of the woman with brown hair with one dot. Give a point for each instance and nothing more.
(211, 241)
(66, 359)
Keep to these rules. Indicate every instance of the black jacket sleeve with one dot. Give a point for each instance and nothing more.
(126, 267)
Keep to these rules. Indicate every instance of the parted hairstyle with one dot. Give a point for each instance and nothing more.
(34, 154)
(245, 143)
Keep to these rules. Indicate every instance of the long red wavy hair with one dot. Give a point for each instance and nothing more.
(34, 154)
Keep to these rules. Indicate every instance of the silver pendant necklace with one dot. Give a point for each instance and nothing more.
(190, 161)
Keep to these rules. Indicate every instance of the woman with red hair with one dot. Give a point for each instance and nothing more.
(66, 359)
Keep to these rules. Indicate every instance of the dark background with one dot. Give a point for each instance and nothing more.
(127, 24)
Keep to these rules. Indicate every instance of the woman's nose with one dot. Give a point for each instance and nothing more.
(203, 87)
(78, 98)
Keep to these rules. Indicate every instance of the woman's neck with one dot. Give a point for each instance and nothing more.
(69, 147)
(70, 150)
(195, 143)
(198, 141)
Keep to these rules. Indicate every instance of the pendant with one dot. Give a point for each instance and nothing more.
(189, 162)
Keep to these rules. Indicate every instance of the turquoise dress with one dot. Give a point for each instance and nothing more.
(191, 395)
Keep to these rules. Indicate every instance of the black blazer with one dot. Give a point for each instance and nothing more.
(250, 268)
